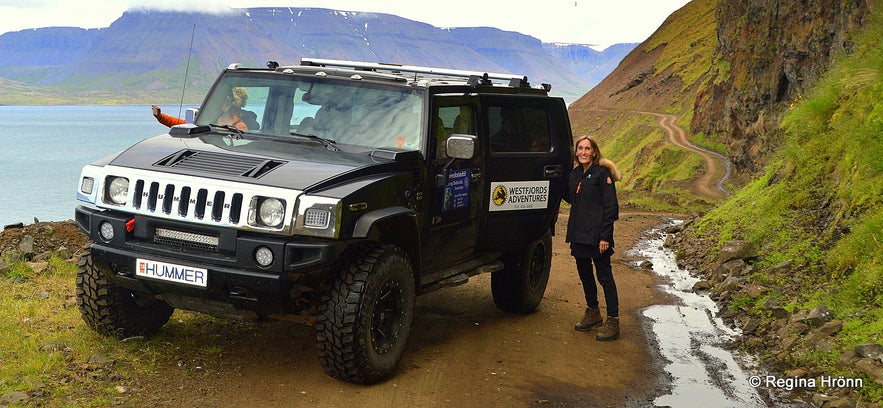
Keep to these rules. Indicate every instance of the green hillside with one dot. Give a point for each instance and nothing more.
(812, 206)
(663, 75)
(819, 206)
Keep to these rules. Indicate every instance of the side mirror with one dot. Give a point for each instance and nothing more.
(457, 146)
(191, 114)
(460, 146)
(188, 130)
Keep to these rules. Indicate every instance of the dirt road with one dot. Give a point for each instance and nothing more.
(463, 351)
(710, 183)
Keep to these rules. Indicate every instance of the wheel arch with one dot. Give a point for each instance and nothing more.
(393, 225)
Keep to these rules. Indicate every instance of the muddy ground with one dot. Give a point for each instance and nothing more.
(463, 351)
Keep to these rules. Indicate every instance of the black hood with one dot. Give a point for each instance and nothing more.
(263, 162)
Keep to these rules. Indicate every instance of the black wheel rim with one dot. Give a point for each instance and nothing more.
(537, 260)
(387, 318)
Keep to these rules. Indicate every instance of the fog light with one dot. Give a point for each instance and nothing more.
(105, 230)
(263, 256)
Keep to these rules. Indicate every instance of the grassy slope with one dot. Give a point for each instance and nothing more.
(820, 203)
(656, 173)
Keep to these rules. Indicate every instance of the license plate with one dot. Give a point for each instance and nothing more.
(187, 275)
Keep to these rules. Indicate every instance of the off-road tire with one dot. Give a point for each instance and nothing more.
(365, 314)
(520, 285)
(113, 310)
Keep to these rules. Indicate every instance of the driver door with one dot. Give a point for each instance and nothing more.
(455, 197)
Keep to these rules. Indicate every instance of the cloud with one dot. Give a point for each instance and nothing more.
(202, 6)
(33, 4)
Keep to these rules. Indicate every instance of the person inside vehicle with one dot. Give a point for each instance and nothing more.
(231, 113)
(167, 120)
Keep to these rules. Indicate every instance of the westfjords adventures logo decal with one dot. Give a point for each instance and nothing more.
(519, 195)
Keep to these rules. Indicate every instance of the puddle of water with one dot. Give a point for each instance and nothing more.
(694, 341)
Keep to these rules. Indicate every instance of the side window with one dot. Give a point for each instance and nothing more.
(452, 119)
(519, 129)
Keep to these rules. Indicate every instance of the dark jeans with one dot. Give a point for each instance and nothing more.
(605, 278)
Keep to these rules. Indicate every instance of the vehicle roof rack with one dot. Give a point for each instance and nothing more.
(474, 78)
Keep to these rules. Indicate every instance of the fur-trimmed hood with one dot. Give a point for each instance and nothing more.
(612, 167)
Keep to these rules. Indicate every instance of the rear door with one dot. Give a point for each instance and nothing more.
(528, 159)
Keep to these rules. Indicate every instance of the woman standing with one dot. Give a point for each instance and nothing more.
(591, 193)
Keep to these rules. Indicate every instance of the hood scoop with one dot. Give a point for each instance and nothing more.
(193, 161)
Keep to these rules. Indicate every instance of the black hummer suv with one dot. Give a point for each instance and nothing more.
(353, 188)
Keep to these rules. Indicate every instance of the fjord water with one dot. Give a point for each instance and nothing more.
(44, 148)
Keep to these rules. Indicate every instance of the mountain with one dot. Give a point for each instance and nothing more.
(143, 56)
(588, 63)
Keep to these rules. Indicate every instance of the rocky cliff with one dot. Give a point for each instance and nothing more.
(769, 52)
(728, 69)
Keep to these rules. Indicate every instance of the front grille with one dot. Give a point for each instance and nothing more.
(182, 201)
(197, 200)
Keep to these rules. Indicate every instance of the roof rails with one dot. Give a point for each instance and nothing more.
(474, 78)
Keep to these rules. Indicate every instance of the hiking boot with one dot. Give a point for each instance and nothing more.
(592, 318)
(610, 330)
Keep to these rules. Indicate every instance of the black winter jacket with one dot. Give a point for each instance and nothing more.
(594, 208)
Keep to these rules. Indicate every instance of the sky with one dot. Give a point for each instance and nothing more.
(599, 23)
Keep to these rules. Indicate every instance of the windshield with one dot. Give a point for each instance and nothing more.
(294, 107)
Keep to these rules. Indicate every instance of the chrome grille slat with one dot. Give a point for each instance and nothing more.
(201, 199)
(151, 196)
(168, 196)
(139, 190)
(184, 202)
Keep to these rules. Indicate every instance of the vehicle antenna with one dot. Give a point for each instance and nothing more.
(187, 71)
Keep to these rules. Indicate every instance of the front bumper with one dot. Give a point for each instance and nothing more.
(234, 278)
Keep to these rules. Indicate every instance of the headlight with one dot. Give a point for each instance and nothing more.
(266, 212)
(118, 190)
(271, 212)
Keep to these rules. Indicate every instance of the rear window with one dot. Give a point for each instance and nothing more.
(519, 129)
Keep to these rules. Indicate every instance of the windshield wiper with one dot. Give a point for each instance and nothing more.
(328, 143)
(238, 132)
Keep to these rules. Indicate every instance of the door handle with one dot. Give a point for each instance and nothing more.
(552, 171)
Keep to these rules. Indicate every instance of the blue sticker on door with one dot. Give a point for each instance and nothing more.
(457, 191)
